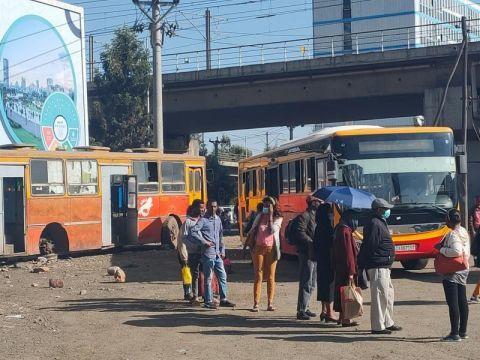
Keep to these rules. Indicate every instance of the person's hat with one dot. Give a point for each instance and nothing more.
(380, 203)
(311, 198)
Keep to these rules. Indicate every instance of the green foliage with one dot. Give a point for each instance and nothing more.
(119, 118)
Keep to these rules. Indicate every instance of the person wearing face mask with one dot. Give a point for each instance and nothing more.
(376, 255)
(265, 233)
(323, 242)
(303, 231)
(345, 253)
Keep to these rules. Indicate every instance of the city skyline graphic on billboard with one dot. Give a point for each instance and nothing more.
(39, 88)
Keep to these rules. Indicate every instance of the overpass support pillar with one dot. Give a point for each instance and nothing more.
(452, 117)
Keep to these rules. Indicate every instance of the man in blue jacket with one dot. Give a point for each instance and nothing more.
(209, 233)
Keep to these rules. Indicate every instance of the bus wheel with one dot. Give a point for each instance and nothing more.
(170, 230)
(417, 264)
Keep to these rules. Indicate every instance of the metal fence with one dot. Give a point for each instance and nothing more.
(324, 46)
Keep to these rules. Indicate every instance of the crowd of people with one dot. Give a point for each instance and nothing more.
(329, 256)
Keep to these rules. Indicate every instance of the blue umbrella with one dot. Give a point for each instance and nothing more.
(345, 196)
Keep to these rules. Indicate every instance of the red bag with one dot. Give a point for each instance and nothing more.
(449, 265)
(201, 285)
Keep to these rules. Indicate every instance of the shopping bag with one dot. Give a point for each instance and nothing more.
(186, 275)
(352, 301)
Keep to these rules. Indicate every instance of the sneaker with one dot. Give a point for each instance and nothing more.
(302, 316)
(394, 328)
(474, 300)
(195, 302)
(311, 314)
(226, 303)
(381, 332)
(463, 336)
(211, 306)
(452, 338)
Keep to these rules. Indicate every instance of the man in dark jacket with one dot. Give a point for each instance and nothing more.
(376, 255)
(303, 231)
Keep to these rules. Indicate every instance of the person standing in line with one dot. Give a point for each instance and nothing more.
(345, 253)
(197, 209)
(303, 232)
(323, 242)
(209, 233)
(456, 243)
(376, 255)
(182, 253)
(474, 228)
(266, 250)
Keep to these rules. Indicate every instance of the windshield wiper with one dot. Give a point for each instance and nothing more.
(424, 205)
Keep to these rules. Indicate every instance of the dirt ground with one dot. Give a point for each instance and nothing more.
(94, 318)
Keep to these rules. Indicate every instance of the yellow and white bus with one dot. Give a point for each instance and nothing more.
(414, 168)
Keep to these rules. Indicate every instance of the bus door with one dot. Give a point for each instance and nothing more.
(124, 209)
(195, 183)
(107, 172)
(12, 210)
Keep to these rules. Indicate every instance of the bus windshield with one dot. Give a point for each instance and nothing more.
(408, 170)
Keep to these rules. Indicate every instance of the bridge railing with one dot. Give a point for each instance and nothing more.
(322, 46)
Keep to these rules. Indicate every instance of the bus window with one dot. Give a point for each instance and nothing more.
(247, 183)
(284, 188)
(82, 177)
(254, 182)
(190, 181)
(173, 176)
(271, 182)
(321, 175)
(198, 180)
(147, 175)
(311, 181)
(261, 184)
(293, 179)
(299, 176)
(47, 177)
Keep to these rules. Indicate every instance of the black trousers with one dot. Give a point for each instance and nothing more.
(194, 265)
(456, 296)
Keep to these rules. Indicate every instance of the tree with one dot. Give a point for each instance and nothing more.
(119, 118)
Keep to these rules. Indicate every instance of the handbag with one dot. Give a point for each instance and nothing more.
(449, 265)
(352, 301)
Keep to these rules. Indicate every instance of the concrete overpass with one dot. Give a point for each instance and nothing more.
(344, 88)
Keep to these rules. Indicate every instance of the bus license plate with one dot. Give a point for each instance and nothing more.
(405, 247)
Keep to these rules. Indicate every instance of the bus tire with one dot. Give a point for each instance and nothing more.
(170, 230)
(417, 264)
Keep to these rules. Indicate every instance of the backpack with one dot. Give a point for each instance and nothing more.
(289, 231)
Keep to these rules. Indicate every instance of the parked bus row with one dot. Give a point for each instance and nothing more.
(412, 167)
(92, 198)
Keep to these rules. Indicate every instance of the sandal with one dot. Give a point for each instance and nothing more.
(271, 308)
(254, 308)
(351, 324)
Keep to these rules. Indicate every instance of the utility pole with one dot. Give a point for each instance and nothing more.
(290, 128)
(90, 46)
(464, 163)
(215, 147)
(208, 50)
(157, 35)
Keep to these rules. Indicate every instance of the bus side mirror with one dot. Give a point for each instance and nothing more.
(332, 169)
(461, 161)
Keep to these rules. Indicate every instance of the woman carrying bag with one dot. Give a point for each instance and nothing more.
(452, 264)
(345, 254)
(264, 242)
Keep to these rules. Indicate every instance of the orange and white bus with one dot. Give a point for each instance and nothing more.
(92, 198)
(414, 168)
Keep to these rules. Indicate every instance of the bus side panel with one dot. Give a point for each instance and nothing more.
(149, 221)
(85, 226)
(33, 239)
(174, 204)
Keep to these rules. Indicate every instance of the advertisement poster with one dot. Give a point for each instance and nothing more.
(42, 75)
